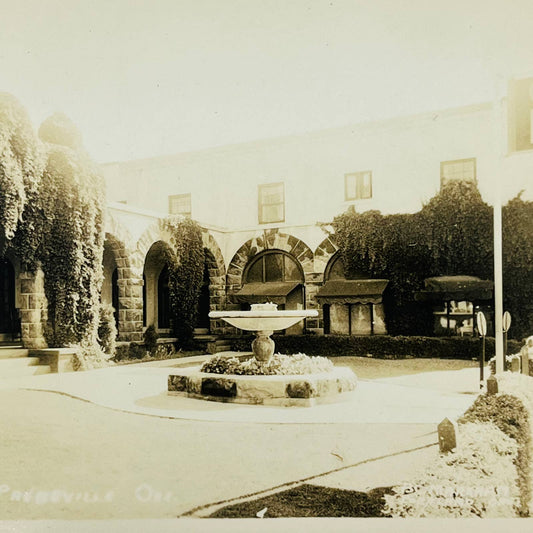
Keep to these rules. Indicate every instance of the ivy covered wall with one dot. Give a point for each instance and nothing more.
(451, 235)
(51, 216)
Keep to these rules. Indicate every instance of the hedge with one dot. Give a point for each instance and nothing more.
(379, 346)
(508, 414)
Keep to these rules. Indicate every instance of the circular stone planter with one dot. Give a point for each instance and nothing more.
(289, 390)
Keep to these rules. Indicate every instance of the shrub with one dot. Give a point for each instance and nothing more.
(150, 338)
(90, 356)
(107, 329)
(509, 414)
(126, 352)
(381, 346)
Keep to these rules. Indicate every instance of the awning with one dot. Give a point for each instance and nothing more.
(352, 291)
(256, 293)
(458, 288)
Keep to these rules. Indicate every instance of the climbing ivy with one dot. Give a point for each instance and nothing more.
(21, 165)
(451, 234)
(186, 267)
(51, 215)
(71, 259)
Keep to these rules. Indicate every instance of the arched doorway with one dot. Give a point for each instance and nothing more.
(274, 276)
(156, 300)
(9, 322)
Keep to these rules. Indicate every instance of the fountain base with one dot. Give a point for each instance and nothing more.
(302, 390)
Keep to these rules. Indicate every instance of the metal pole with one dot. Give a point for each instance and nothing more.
(498, 276)
(481, 362)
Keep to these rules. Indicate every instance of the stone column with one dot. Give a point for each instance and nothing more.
(130, 315)
(33, 306)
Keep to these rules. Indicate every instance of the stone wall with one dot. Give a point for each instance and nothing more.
(33, 305)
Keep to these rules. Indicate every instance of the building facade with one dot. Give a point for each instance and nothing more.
(264, 209)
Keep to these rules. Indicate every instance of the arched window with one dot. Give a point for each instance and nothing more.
(273, 266)
(163, 300)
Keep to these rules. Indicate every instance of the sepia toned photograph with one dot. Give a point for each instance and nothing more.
(266, 265)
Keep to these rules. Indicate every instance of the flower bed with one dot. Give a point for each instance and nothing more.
(489, 473)
(278, 365)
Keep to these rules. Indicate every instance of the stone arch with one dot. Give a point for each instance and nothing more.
(156, 232)
(270, 239)
(121, 287)
(324, 253)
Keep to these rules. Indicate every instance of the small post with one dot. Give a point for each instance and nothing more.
(524, 359)
(515, 364)
(447, 431)
(492, 385)
(482, 329)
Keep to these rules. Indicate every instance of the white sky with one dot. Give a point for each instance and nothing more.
(148, 77)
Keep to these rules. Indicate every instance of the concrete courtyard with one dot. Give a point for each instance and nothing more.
(110, 444)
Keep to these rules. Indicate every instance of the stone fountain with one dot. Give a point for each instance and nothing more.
(281, 389)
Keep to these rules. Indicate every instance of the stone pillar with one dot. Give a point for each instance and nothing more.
(33, 306)
(130, 315)
(313, 281)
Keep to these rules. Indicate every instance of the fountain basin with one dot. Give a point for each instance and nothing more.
(263, 320)
(304, 390)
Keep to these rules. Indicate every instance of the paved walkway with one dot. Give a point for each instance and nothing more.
(189, 454)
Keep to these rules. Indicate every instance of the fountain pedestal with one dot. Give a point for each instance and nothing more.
(263, 346)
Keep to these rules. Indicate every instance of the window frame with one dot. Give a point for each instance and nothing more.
(444, 180)
(261, 257)
(176, 196)
(359, 185)
(261, 204)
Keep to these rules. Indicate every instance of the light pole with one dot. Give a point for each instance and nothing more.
(497, 220)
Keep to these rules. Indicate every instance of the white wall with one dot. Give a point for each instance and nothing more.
(404, 155)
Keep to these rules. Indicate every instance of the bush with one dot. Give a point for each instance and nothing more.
(126, 352)
(150, 338)
(88, 357)
(107, 329)
(380, 346)
(509, 414)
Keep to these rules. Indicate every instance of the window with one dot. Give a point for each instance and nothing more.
(458, 170)
(180, 204)
(358, 185)
(273, 266)
(271, 203)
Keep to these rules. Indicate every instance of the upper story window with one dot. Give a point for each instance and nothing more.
(180, 204)
(358, 185)
(458, 170)
(271, 203)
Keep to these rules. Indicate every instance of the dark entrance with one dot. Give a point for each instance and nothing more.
(163, 300)
(8, 315)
